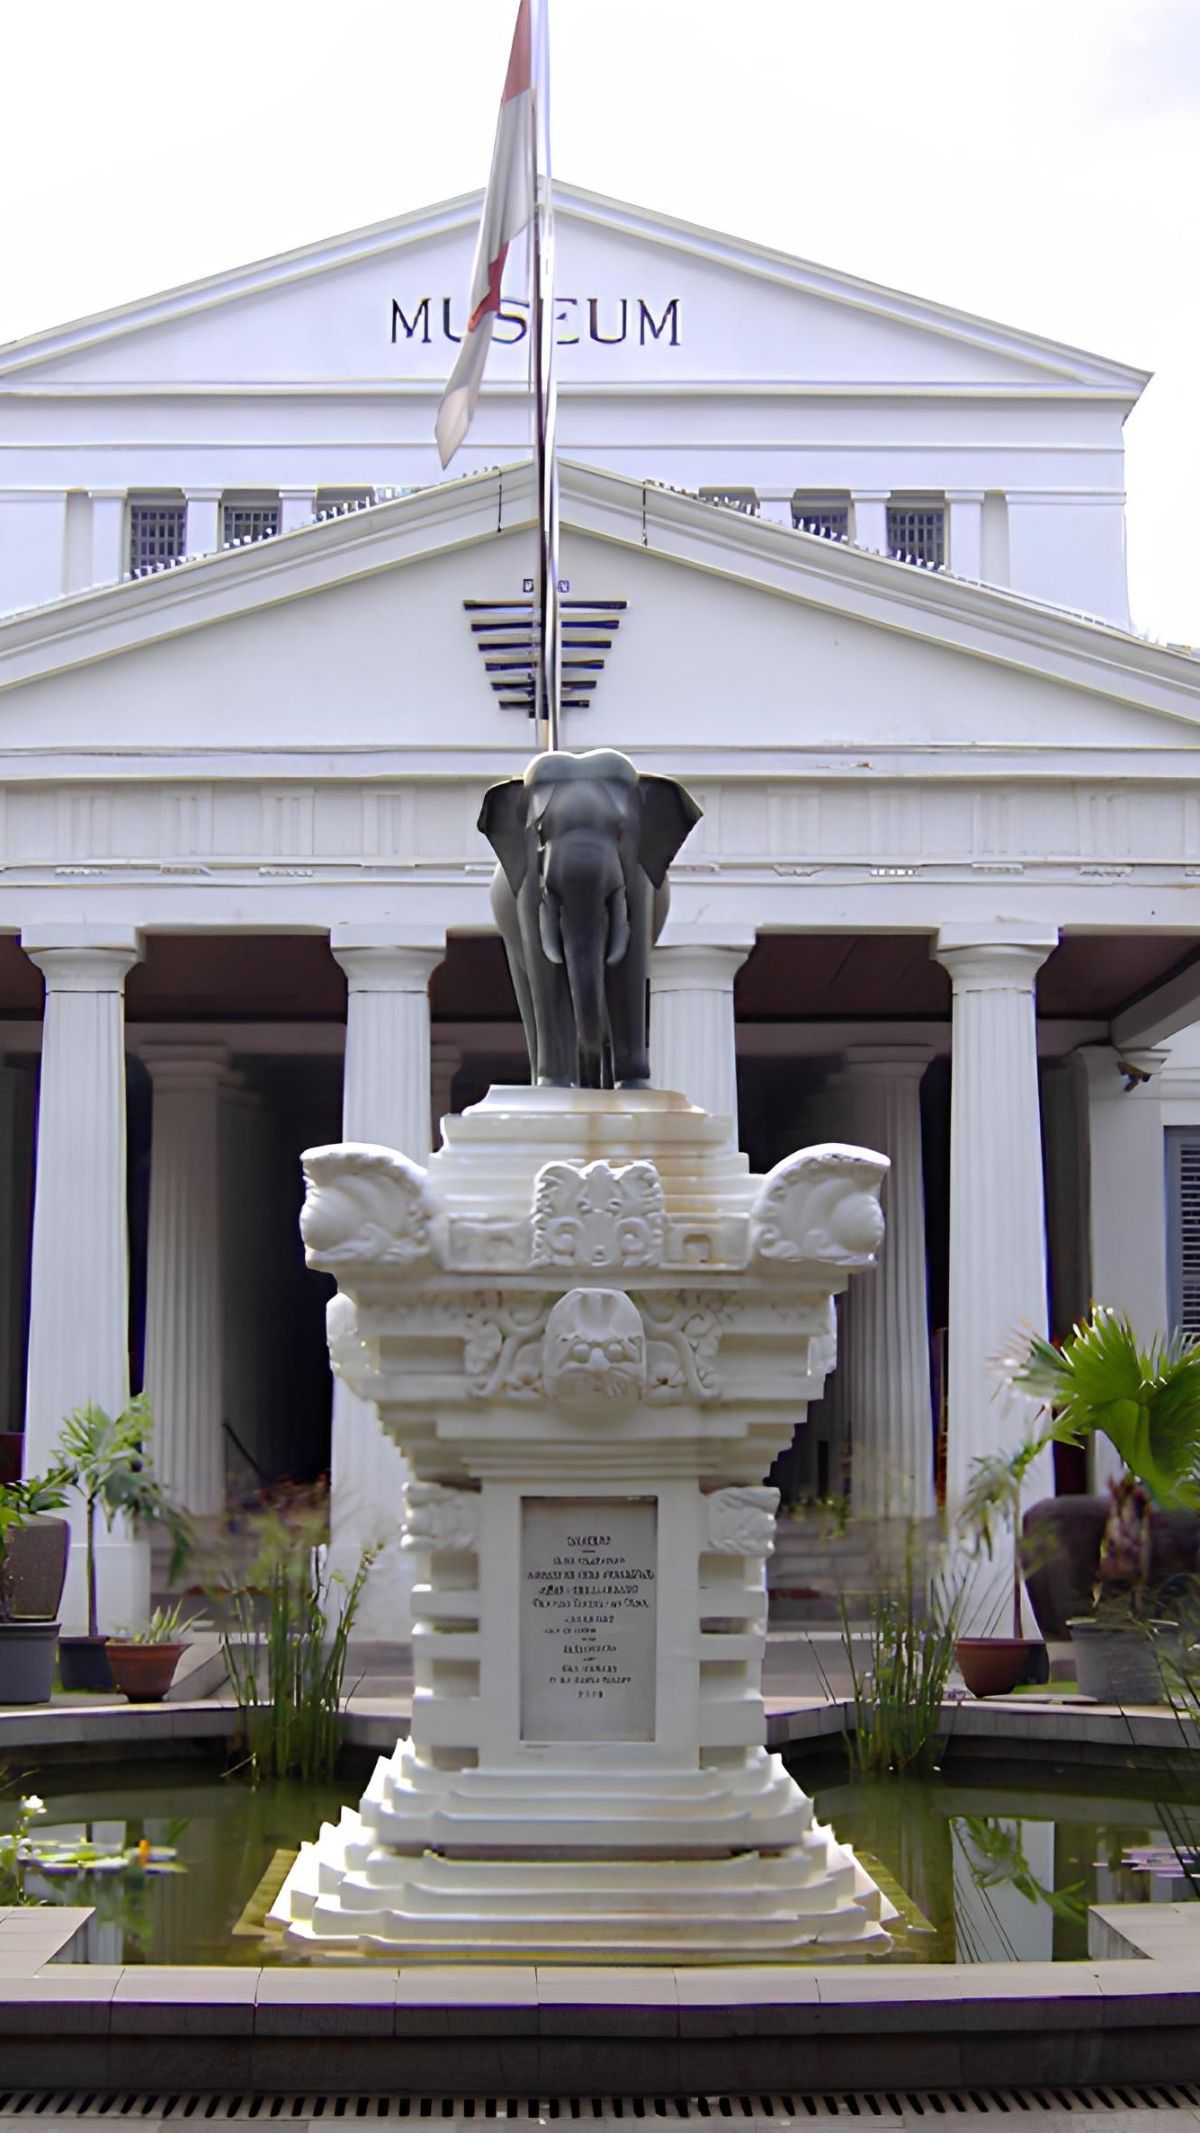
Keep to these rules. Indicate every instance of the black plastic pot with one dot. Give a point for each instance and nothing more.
(27, 1661)
(83, 1663)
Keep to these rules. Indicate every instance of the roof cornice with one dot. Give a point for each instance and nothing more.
(1076, 365)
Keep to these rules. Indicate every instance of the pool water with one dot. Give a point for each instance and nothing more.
(986, 1867)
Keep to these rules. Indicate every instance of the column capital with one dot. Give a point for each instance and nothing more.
(696, 957)
(890, 1062)
(1004, 956)
(82, 958)
(197, 1065)
(382, 958)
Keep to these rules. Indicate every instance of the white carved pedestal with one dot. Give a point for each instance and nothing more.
(590, 1330)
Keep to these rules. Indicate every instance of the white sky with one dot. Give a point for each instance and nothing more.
(1032, 160)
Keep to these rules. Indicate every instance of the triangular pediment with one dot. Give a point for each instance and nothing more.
(643, 299)
(738, 638)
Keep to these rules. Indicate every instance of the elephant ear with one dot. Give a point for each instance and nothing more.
(502, 820)
(668, 813)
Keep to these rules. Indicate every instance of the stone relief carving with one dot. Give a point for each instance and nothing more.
(348, 1354)
(437, 1517)
(477, 1243)
(502, 1355)
(742, 1521)
(822, 1206)
(365, 1207)
(719, 1243)
(597, 1215)
(594, 1350)
(683, 1328)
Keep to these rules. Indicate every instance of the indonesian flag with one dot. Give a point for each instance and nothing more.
(507, 207)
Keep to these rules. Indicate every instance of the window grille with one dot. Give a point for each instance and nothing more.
(1183, 1226)
(251, 521)
(736, 499)
(916, 533)
(812, 514)
(157, 537)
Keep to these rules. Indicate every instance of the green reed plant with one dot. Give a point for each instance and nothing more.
(898, 1673)
(286, 1638)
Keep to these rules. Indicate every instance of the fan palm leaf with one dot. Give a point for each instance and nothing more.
(1145, 1400)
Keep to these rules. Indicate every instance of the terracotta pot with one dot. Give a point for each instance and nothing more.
(83, 1663)
(143, 1672)
(994, 1666)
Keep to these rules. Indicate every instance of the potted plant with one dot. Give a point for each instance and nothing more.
(107, 1458)
(143, 1661)
(995, 1665)
(1146, 1401)
(33, 1566)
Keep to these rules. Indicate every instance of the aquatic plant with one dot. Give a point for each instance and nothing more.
(16, 1852)
(286, 1639)
(995, 1858)
(898, 1694)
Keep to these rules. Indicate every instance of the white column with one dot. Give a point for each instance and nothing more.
(16, 1179)
(886, 1359)
(997, 1201)
(203, 521)
(693, 1042)
(387, 1099)
(1126, 1199)
(183, 1299)
(869, 521)
(79, 1284)
(964, 511)
(110, 559)
(296, 508)
(445, 1060)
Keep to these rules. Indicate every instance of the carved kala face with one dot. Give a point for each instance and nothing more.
(594, 1353)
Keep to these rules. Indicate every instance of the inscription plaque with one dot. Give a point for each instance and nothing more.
(589, 1571)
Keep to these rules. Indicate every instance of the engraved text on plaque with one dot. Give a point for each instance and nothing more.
(588, 1617)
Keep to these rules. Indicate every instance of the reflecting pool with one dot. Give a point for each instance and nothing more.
(988, 1863)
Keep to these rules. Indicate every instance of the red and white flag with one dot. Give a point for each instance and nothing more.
(508, 205)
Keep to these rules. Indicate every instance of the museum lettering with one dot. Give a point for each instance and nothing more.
(609, 321)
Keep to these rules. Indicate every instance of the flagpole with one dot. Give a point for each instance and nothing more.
(546, 625)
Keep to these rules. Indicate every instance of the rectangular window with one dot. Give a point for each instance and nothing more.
(916, 533)
(157, 536)
(735, 499)
(828, 516)
(1183, 1226)
(250, 518)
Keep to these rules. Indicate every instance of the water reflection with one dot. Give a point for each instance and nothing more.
(1006, 1872)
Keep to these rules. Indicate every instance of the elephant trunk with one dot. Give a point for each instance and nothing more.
(585, 926)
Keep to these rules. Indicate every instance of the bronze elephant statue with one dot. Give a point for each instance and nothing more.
(580, 897)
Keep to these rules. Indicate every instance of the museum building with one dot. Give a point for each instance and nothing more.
(847, 562)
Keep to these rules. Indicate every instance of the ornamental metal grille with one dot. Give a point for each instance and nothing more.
(1183, 1239)
(916, 533)
(734, 499)
(250, 522)
(504, 630)
(810, 515)
(157, 537)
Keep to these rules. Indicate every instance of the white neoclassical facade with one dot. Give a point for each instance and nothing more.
(847, 562)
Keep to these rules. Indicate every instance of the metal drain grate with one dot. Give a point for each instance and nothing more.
(893, 2107)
